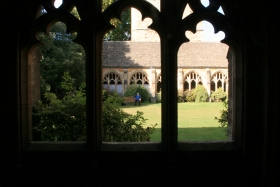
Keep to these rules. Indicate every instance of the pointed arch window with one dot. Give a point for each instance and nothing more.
(168, 23)
(219, 80)
(112, 81)
(139, 78)
(191, 81)
(158, 80)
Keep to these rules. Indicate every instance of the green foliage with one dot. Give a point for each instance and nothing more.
(106, 3)
(68, 82)
(75, 13)
(122, 31)
(61, 120)
(119, 126)
(181, 96)
(131, 90)
(112, 97)
(158, 97)
(219, 95)
(223, 120)
(190, 96)
(65, 119)
(200, 93)
(59, 55)
(206, 128)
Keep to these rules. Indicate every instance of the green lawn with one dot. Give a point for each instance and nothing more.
(195, 120)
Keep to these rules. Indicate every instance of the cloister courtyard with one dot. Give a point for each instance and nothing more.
(196, 121)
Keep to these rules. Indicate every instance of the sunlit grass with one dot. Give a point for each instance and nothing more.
(195, 120)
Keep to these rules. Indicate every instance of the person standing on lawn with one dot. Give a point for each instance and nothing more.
(138, 99)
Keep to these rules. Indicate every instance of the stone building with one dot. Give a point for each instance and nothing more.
(138, 61)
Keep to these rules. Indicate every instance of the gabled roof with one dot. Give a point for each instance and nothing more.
(147, 54)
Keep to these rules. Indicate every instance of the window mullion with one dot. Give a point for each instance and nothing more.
(169, 78)
(93, 80)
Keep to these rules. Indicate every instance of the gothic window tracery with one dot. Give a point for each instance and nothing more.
(219, 80)
(158, 83)
(139, 78)
(112, 81)
(192, 80)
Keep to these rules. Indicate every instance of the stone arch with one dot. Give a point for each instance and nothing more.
(158, 82)
(219, 79)
(192, 79)
(112, 81)
(139, 77)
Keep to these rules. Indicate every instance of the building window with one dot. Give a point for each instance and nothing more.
(139, 78)
(158, 83)
(192, 80)
(112, 82)
(219, 80)
(168, 23)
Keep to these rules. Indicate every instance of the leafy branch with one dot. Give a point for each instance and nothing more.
(223, 120)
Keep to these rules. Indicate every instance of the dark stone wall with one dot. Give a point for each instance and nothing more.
(35, 75)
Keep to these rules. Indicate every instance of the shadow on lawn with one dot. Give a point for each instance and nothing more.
(195, 134)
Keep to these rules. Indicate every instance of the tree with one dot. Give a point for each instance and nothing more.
(60, 54)
(122, 28)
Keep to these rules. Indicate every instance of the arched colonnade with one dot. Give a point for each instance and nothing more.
(118, 79)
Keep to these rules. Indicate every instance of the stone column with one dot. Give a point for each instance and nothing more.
(208, 81)
(34, 81)
(153, 84)
(35, 75)
(230, 87)
(223, 82)
(125, 81)
(180, 80)
(216, 83)
(227, 85)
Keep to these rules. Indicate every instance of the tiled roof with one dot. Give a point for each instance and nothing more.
(147, 54)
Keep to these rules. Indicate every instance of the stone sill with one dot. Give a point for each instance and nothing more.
(130, 146)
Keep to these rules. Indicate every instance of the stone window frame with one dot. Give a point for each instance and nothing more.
(158, 81)
(162, 22)
(138, 75)
(188, 78)
(215, 77)
(117, 80)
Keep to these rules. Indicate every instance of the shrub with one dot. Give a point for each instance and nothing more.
(131, 90)
(200, 93)
(223, 120)
(107, 93)
(61, 120)
(219, 95)
(65, 119)
(119, 126)
(190, 97)
(158, 97)
(181, 96)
